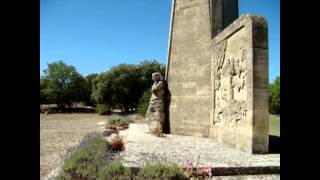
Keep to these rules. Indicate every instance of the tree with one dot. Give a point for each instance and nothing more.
(43, 88)
(146, 68)
(64, 84)
(119, 87)
(123, 85)
(274, 98)
(87, 99)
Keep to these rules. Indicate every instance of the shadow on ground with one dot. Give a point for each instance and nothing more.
(68, 110)
(274, 144)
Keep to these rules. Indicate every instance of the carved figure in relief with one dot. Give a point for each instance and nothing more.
(230, 77)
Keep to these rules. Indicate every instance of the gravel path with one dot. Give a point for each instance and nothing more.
(142, 147)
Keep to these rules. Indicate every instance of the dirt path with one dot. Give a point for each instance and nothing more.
(60, 131)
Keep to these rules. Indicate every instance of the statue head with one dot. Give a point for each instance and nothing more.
(156, 76)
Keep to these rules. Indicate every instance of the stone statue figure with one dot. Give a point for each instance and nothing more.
(155, 113)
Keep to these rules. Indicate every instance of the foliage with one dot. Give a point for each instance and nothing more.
(43, 91)
(103, 109)
(120, 121)
(87, 98)
(146, 68)
(117, 144)
(161, 171)
(63, 84)
(274, 98)
(123, 85)
(115, 170)
(144, 103)
(86, 159)
(120, 87)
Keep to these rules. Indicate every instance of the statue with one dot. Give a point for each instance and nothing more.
(155, 113)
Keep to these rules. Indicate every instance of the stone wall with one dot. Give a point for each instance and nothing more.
(239, 85)
(194, 23)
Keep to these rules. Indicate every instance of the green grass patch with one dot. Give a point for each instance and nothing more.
(274, 125)
(161, 171)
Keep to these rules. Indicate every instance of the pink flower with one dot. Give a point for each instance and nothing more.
(208, 171)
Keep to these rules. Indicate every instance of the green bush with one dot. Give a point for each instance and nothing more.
(274, 96)
(120, 121)
(144, 103)
(115, 170)
(103, 109)
(86, 160)
(161, 171)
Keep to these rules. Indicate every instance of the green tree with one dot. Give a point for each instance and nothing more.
(123, 85)
(274, 98)
(43, 88)
(64, 84)
(87, 98)
(119, 87)
(146, 68)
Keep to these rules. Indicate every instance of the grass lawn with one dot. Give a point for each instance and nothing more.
(274, 125)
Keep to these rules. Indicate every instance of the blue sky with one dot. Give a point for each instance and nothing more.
(94, 35)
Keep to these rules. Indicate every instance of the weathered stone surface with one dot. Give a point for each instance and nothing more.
(155, 113)
(194, 23)
(239, 85)
(217, 74)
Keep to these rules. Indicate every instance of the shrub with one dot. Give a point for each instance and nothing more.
(162, 171)
(117, 144)
(103, 109)
(144, 103)
(84, 161)
(119, 121)
(114, 170)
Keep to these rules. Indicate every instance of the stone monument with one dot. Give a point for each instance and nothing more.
(217, 74)
(155, 113)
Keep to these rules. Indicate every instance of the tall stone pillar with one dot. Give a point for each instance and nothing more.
(193, 25)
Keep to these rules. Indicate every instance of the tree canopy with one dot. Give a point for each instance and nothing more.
(62, 84)
(274, 98)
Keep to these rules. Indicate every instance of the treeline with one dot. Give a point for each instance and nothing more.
(274, 96)
(125, 87)
(120, 87)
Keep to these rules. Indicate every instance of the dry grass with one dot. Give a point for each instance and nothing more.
(60, 131)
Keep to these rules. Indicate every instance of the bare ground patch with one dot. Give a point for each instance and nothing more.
(60, 131)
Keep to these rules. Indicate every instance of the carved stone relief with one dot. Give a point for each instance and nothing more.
(230, 83)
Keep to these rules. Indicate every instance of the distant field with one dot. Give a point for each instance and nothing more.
(274, 125)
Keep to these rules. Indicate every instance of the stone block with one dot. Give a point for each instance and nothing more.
(240, 85)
